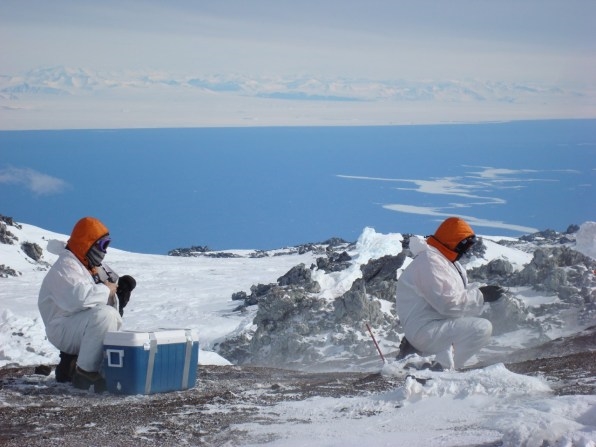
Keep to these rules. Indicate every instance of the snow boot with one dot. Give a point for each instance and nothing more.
(406, 349)
(66, 367)
(420, 380)
(432, 366)
(429, 366)
(83, 380)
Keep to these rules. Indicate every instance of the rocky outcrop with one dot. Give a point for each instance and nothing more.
(557, 270)
(296, 327)
(334, 262)
(300, 277)
(6, 237)
(32, 250)
(6, 271)
(194, 250)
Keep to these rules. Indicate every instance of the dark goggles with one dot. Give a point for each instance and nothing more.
(103, 243)
(466, 244)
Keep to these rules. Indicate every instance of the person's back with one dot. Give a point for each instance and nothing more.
(62, 288)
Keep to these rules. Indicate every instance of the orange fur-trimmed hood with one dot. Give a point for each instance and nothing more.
(84, 234)
(451, 232)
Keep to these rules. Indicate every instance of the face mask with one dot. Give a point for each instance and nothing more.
(95, 256)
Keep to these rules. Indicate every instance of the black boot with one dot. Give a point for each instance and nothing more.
(406, 349)
(66, 367)
(83, 380)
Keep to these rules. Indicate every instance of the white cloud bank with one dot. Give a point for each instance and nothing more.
(36, 182)
(487, 179)
(270, 63)
(473, 221)
(75, 98)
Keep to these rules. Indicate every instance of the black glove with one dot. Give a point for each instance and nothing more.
(126, 285)
(492, 293)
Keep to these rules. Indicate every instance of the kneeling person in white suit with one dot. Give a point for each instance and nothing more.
(79, 301)
(437, 307)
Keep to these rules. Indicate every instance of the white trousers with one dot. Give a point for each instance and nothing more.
(453, 341)
(82, 334)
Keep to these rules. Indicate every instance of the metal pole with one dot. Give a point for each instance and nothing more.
(375, 341)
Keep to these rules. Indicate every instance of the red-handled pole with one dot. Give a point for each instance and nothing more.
(375, 341)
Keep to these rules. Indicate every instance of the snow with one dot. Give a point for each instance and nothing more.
(484, 406)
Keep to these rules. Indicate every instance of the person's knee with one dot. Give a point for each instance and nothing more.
(106, 317)
(484, 329)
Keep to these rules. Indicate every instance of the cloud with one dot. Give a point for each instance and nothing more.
(473, 221)
(37, 182)
(485, 179)
(450, 186)
(488, 179)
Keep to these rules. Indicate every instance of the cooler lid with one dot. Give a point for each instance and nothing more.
(139, 338)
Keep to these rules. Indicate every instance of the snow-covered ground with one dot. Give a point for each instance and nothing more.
(479, 407)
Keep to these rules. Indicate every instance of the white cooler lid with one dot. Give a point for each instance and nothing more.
(139, 338)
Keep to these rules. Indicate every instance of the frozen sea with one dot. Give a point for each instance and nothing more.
(270, 187)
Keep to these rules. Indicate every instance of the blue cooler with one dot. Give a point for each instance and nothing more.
(150, 362)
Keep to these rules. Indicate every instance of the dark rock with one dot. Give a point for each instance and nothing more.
(355, 306)
(259, 254)
(497, 270)
(382, 269)
(32, 250)
(256, 292)
(405, 243)
(194, 250)
(261, 289)
(6, 271)
(334, 262)
(239, 296)
(10, 222)
(540, 235)
(282, 334)
(6, 237)
(572, 229)
(299, 276)
(222, 255)
(43, 370)
(335, 242)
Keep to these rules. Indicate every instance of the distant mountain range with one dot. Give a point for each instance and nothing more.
(81, 98)
(64, 81)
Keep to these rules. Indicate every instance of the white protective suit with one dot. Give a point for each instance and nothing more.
(75, 310)
(438, 308)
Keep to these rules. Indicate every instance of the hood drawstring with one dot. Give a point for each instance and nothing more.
(95, 275)
(461, 275)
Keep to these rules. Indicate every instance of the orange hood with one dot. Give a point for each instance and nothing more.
(84, 234)
(451, 232)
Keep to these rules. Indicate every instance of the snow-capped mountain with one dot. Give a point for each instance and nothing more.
(81, 82)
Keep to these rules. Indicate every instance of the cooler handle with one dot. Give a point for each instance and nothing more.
(151, 362)
(187, 356)
(113, 353)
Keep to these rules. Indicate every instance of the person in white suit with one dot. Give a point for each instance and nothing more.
(79, 302)
(436, 305)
